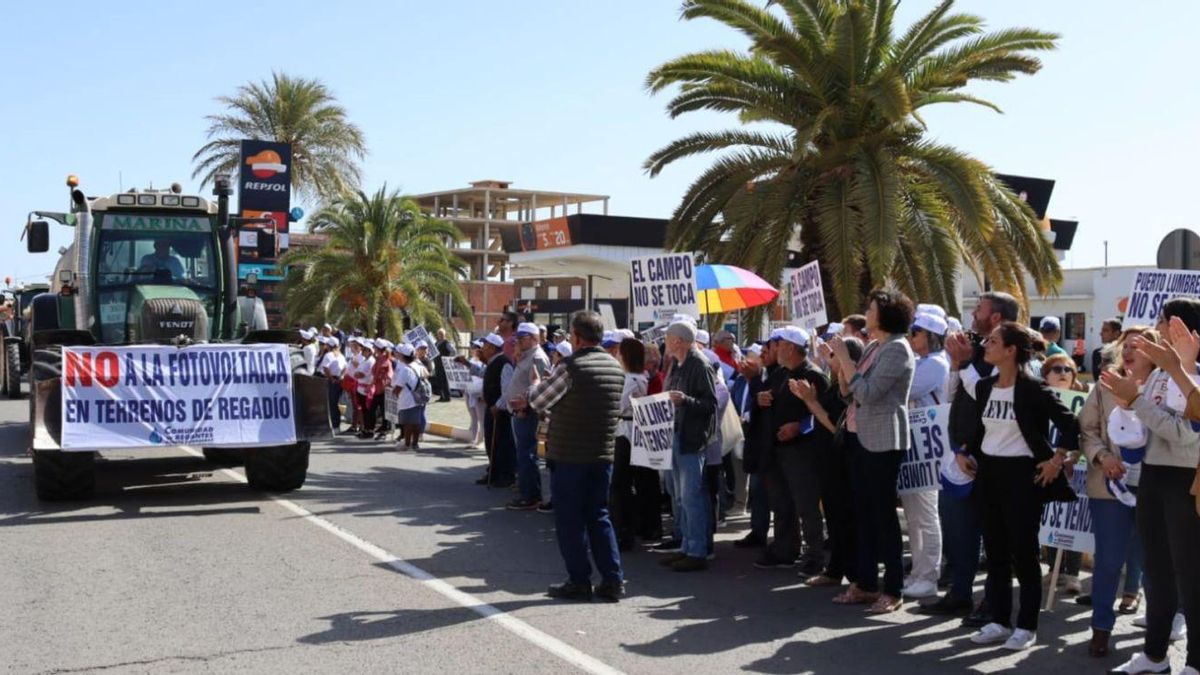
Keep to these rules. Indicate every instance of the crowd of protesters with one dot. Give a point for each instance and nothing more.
(807, 431)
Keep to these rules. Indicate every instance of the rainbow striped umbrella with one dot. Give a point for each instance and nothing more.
(725, 288)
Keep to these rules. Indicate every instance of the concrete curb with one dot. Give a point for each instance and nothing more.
(447, 431)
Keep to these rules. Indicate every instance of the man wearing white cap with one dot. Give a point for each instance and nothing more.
(793, 459)
(332, 365)
(1051, 330)
(308, 339)
(930, 375)
(497, 371)
(532, 365)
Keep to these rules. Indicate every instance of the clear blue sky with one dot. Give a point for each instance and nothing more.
(549, 94)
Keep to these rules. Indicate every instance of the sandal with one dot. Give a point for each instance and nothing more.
(886, 604)
(854, 596)
(1130, 603)
(822, 580)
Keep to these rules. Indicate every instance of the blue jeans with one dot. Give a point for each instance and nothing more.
(962, 537)
(1115, 529)
(760, 506)
(334, 394)
(529, 477)
(581, 520)
(692, 501)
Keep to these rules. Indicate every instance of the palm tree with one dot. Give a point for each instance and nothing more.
(384, 260)
(834, 150)
(326, 148)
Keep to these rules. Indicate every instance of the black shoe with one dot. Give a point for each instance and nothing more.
(751, 540)
(668, 546)
(609, 591)
(979, 617)
(770, 561)
(546, 507)
(366, 435)
(444, 400)
(504, 483)
(671, 559)
(811, 568)
(482, 481)
(1085, 600)
(946, 606)
(523, 504)
(570, 591)
(690, 564)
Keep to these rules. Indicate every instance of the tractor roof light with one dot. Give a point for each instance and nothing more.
(72, 181)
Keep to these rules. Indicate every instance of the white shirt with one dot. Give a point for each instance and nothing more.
(334, 362)
(405, 377)
(1002, 437)
(364, 375)
(635, 387)
(310, 357)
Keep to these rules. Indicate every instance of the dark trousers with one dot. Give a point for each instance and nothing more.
(636, 498)
(497, 436)
(439, 383)
(581, 520)
(873, 479)
(368, 407)
(1170, 533)
(961, 541)
(713, 483)
(1011, 512)
(839, 511)
(377, 420)
(335, 394)
(795, 489)
(760, 506)
(529, 475)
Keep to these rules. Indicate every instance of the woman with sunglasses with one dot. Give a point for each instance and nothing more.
(1113, 523)
(1167, 520)
(1059, 372)
(1014, 466)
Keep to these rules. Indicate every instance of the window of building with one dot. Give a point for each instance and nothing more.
(528, 293)
(1075, 326)
(552, 292)
(577, 292)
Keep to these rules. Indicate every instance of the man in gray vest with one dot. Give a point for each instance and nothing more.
(583, 399)
(531, 363)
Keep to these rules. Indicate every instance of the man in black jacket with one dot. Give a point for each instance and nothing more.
(962, 533)
(793, 462)
(753, 374)
(693, 391)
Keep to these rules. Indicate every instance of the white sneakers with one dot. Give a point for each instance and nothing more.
(1014, 640)
(1140, 663)
(1021, 640)
(1178, 626)
(919, 590)
(991, 634)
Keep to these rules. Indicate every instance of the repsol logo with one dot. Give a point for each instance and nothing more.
(266, 187)
(176, 324)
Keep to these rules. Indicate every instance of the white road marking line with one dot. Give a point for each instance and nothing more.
(514, 625)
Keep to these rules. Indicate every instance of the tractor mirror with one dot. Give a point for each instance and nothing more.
(37, 233)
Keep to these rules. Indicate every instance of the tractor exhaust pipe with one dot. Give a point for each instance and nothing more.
(83, 258)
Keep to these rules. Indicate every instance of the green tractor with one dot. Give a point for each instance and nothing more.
(151, 268)
(14, 355)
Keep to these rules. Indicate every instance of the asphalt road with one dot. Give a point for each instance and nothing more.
(396, 562)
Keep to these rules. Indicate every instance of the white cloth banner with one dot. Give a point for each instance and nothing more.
(930, 447)
(151, 396)
(653, 434)
(457, 375)
(808, 297)
(1151, 288)
(663, 286)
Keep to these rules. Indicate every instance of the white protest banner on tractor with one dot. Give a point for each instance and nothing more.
(1151, 288)
(653, 431)
(419, 333)
(930, 429)
(457, 375)
(663, 286)
(210, 395)
(808, 297)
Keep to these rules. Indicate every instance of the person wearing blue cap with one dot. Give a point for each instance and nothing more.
(1113, 523)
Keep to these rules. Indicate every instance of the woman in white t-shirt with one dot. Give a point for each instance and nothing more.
(406, 377)
(331, 365)
(1016, 471)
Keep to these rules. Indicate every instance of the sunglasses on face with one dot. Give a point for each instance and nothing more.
(1061, 370)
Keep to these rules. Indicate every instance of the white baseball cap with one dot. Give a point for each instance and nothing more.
(609, 339)
(405, 349)
(307, 334)
(755, 349)
(776, 334)
(930, 322)
(624, 334)
(953, 324)
(795, 335)
(564, 349)
(931, 309)
(1049, 323)
(494, 340)
(702, 337)
(527, 329)
(380, 343)
(420, 344)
